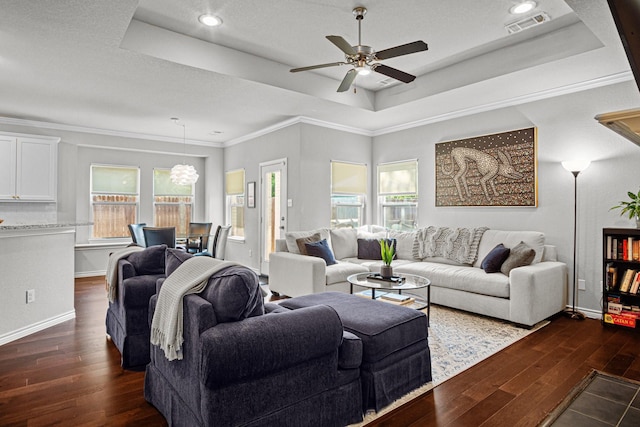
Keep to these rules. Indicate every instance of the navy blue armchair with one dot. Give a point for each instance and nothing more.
(243, 367)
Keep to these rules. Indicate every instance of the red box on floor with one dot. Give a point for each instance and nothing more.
(621, 320)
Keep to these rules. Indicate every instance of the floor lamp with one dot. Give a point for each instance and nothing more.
(575, 167)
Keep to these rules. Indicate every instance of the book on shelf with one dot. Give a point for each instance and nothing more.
(609, 241)
(612, 276)
(614, 307)
(625, 285)
(369, 292)
(635, 283)
(395, 297)
(635, 253)
(390, 301)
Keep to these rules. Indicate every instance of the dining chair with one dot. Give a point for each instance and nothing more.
(137, 235)
(220, 241)
(160, 236)
(198, 238)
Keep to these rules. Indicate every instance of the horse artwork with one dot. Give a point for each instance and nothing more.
(491, 170)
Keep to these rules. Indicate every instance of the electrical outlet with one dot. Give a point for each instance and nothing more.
(31, 296)
(581, 285)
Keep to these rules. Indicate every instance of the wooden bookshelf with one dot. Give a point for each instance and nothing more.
(621, 277)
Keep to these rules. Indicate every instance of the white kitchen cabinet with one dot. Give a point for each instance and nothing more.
(28, 168)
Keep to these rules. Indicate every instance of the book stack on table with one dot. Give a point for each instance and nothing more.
(378, 278)
(389, 297)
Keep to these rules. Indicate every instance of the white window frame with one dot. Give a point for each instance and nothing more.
(353, 186)
(384, 194)
(93, 203)
(235, 198)
(156, 203)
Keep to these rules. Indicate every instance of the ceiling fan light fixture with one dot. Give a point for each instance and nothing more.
(522, 7)
(210, 20)
(363, 71)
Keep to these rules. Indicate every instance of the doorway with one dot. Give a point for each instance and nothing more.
(273, 188)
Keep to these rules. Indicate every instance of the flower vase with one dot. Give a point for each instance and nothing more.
(386, 271)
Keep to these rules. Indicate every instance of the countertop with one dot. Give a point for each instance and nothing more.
(43, 226)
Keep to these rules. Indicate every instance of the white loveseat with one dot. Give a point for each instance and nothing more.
(526, 296)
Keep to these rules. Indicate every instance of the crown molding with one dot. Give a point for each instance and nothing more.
(518, 100)
(108, 132)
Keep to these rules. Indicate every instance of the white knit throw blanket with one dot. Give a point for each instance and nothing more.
(457, 244)
(190, 278)
(112, 269)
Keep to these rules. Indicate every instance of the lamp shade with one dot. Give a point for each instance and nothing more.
(184, 175)
(576, 165)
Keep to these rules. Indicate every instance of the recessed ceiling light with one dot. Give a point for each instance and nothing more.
(210, 20)
(522, 7)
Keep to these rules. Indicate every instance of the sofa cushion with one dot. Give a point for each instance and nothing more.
(404, 243)
(234, 293)
(510, 239)
(344, 242)
(291, 236)
(339, 271)
(322, 250)
(173, 258)
(149, 261)
(302, 241)
(520, 255)
(494, 259)
(370, 248)
(464, 278)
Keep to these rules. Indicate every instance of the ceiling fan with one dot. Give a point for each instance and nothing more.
(363, 58)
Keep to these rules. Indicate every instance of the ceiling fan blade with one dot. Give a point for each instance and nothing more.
(313, 67)
(342, 44)
(393, 73)
(348, 80)
(404, 49)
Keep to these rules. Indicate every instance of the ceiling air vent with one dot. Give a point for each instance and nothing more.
(386, 82)
(523, 24)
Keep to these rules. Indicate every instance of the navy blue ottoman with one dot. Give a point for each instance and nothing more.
(396, 357)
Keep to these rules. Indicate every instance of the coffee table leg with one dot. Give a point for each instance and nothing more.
(428, 305)
(373, 293)
(350, 287)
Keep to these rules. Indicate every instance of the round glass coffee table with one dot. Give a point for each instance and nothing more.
(377, 288)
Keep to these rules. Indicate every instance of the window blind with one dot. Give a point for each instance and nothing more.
(398, 178)
(348, 178)
(235, 182)
(113, 179)
(163, 186)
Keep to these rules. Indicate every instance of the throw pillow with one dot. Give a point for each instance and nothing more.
(370, 248)
(173, 258)
(344, 243)
(494, 259)
(520, 255)
(308, 239)
(322, 250)
(149, 261)
(291, 236)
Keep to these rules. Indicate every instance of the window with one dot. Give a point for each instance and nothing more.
(172, 203)
(114, 200)
(235, 202)
(398, 194)
(348, 190)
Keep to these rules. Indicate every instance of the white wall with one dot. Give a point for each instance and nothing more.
(309, 150)
(566, 130)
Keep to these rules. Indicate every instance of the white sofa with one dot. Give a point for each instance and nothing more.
(526, 296)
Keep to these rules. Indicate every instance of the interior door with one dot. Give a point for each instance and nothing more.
(273, 189)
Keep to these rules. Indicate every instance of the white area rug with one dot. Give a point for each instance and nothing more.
(458, 340)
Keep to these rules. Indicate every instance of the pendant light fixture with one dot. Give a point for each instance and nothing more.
(183, 174)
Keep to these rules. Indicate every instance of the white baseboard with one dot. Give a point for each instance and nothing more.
(588, 312)
(80, 274)
(36, 327)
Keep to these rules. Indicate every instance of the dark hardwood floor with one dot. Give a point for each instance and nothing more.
(70, 375)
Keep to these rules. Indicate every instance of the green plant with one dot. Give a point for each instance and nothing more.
(631, 207)
(387, 251)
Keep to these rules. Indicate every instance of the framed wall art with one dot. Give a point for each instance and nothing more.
(251, 194)
(490, 170)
